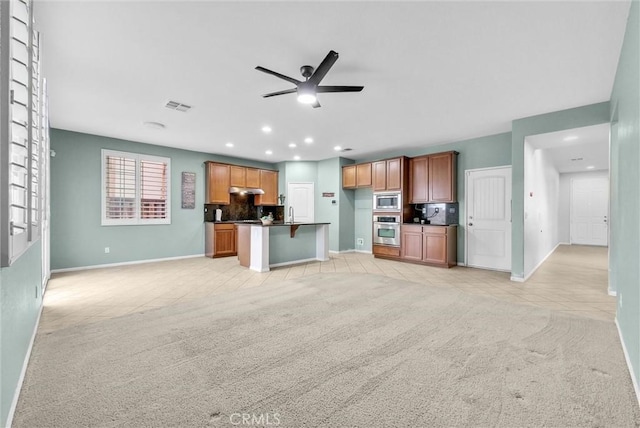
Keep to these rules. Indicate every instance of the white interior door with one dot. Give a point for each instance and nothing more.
(488, 222)
(589, 211)
(301, 198)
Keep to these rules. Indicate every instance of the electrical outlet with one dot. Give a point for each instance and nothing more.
(107, 250)
(360, 241)
(437, 210)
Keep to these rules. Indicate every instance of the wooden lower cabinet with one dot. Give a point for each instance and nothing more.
(224, 240)
(411, 243)
(434, 245)
(386, 251)
(220, 239)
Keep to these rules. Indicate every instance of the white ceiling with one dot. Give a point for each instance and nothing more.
(433, 72)
(576, 150)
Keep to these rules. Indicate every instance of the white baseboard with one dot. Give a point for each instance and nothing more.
(135, 262)
(544, 259)
(350, 251)
(564, 243)
(363, 251)
(23, 372)
(634, 381)
(462, 264)
(613, 293)
(297, 262)
(517, 278)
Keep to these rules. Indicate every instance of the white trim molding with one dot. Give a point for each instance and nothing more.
(634, 381)
(135, 262)
(23, 372)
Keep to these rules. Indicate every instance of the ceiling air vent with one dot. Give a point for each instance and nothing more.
(346, 150)
(174, 105)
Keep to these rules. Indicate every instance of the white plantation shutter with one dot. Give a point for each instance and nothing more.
(120, 187)
(135, 189)
(154, 189)
(21, 125)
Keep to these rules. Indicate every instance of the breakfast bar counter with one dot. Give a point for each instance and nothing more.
(261, 247)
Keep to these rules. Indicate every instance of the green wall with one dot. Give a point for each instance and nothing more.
(483, 152)
(20, 301)
(557, 121)
(283, 248)
(346, 201)
(625, 190)
(327, 178)
(78, 239)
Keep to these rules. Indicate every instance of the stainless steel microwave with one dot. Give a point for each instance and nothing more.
(387, 201)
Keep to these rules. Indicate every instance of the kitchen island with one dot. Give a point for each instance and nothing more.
(261, 247)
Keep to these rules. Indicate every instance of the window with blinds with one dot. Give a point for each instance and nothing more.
(135, 189)
(23, 147)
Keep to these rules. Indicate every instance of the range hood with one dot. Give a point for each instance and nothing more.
(246, 190)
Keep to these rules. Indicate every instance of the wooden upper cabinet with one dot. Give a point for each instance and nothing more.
(394, 174)
(442, 177)
(354, 176)
(387, 174)
(419, 180)
(349, 177)
(268, 183)
(379, 175)
(218, 183)
(252, 177)
(237, 176)
(363, 175)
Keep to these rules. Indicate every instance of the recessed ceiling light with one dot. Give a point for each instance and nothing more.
(570, 138)
(268, 152)
(337, 148)
(229, 144)
(296, 157)
(590, 167)
(293, 145)
(154, 125)
(308, 140)
(266, 129)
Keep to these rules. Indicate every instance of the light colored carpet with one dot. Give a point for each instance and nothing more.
(332, 350)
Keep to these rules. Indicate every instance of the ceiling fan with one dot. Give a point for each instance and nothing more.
(308, 88)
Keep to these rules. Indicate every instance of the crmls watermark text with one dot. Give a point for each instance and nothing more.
(253, 419)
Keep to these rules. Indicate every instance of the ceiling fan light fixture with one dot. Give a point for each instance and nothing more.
(306, 97)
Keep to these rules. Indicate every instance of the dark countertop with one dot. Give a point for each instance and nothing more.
(278, 224)
(420, 224)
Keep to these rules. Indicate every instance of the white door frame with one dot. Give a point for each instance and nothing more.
(571, 208)
(463, 221)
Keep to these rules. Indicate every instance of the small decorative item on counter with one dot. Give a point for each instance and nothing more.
(267, 219)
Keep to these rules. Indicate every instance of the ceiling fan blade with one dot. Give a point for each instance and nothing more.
(316, 104)
(281, 76)
(339, 88)
(324, 67)
(273, 94)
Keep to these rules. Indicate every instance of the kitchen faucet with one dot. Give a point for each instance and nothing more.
(291, 219)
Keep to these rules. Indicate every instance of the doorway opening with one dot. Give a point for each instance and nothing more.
(566, 184)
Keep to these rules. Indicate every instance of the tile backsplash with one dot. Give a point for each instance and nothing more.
(241, 207)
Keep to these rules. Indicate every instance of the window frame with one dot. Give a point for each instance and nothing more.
(137, 220)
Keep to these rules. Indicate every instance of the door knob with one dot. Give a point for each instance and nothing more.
(470, 224)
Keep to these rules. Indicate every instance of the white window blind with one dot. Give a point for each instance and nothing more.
(21, 153)
(135, 189)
